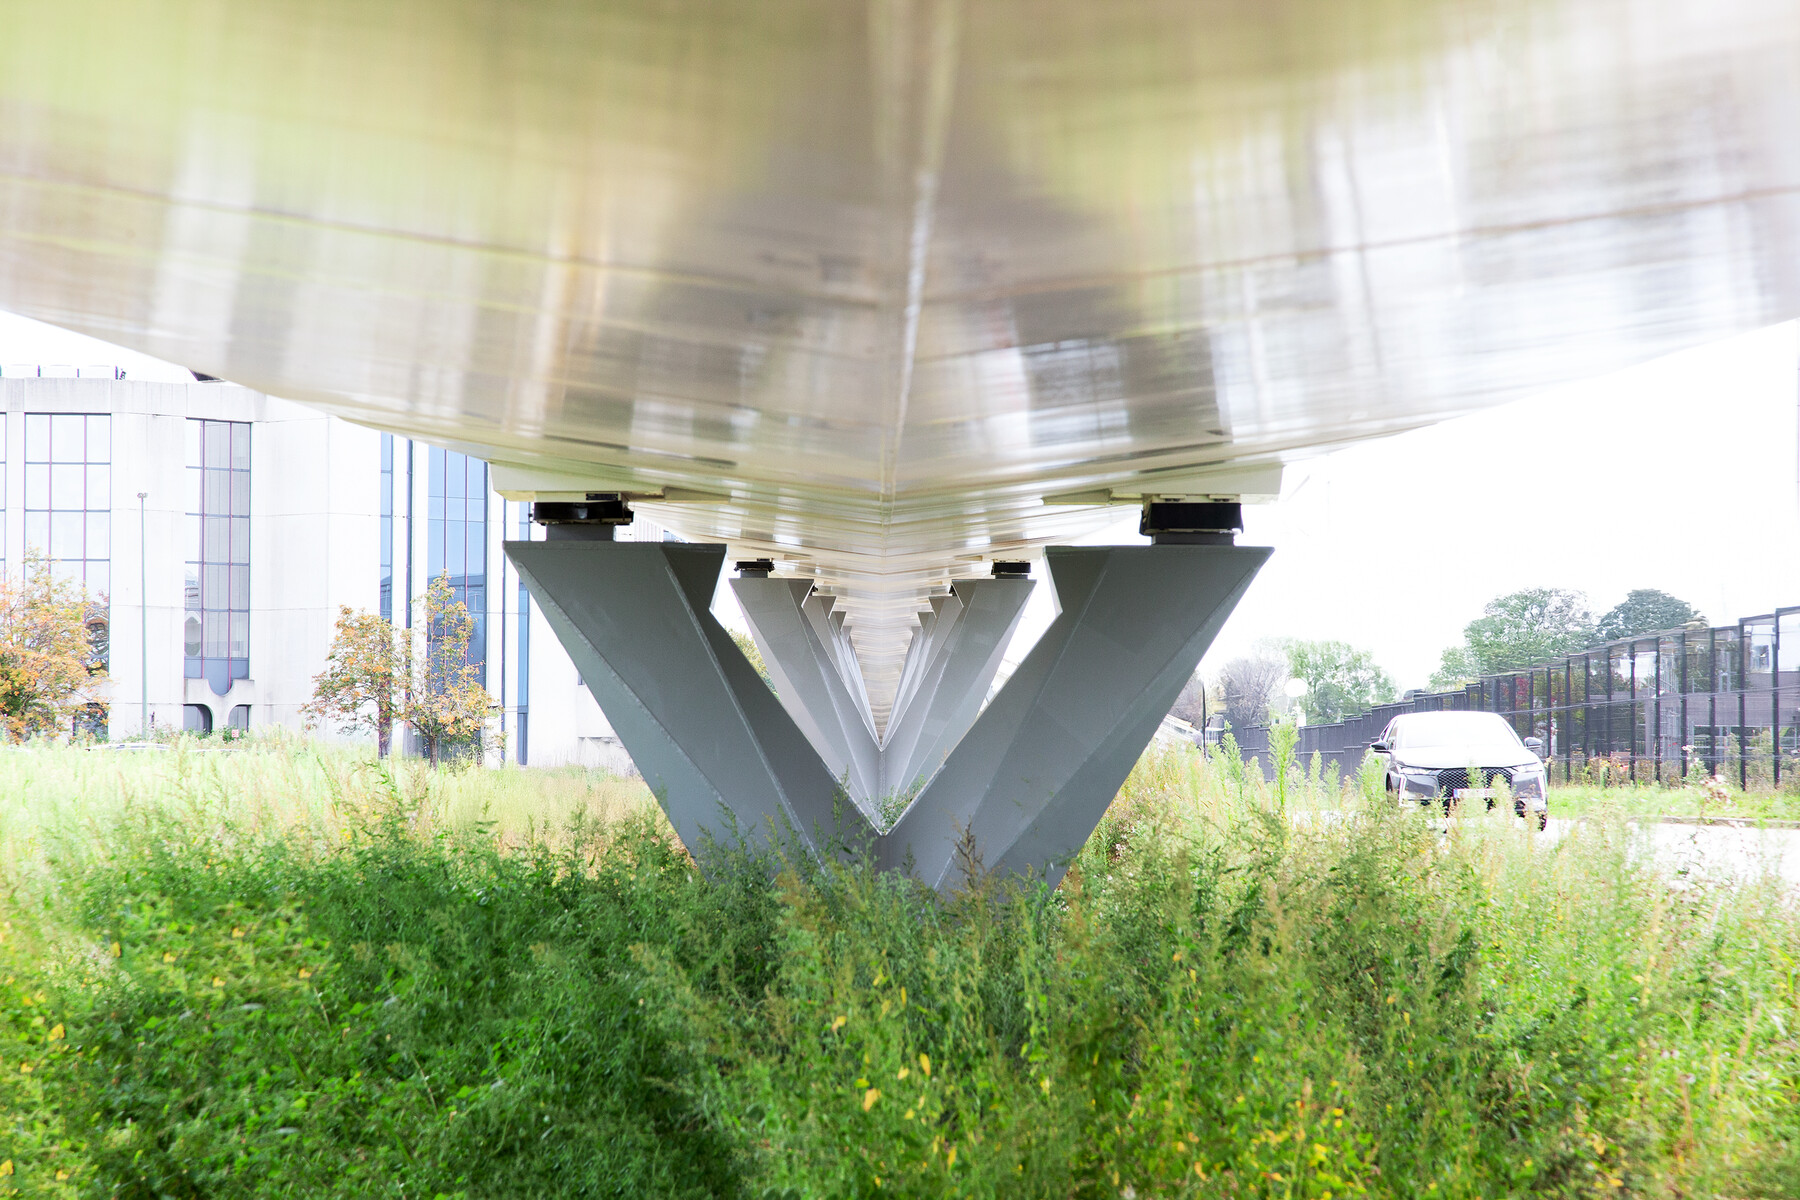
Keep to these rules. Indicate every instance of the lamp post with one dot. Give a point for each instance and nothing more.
(143, 624)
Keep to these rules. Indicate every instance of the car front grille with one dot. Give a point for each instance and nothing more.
(1458, 777)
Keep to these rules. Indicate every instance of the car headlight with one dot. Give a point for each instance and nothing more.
(1420, 781)
(1528, 784)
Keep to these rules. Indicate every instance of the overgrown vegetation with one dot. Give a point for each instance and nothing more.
(289, 972)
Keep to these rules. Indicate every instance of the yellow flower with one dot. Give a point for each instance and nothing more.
(904, 1072)
(217, 982)
(305, 974)
(870, 1097)
(925, 1064)
(56, 1032)
(24, 1068)
(61, 1175)
(167, 957)
(837, 1023)
(237, 933)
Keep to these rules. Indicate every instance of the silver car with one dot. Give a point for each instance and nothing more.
(1449, 757)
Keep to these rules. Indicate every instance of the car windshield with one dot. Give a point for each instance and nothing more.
(1455, 729)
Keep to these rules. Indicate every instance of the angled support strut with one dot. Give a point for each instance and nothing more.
(1027, 779)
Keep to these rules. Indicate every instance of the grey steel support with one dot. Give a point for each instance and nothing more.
(1027, 780)
(709, 737)
(957, 653)
(953, 659)
(798, 640)
(1033, 775)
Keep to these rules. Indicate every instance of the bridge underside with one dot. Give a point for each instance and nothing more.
(1016, 786)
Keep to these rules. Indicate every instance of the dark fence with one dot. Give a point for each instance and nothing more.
(1724, 700)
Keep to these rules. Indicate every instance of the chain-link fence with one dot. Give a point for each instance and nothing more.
(1722, 700)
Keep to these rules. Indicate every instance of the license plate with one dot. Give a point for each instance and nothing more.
(1475, 793)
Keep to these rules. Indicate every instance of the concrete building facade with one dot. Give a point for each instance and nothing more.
(225, 528)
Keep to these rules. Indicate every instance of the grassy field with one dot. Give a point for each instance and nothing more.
(286, 971)
(1653, 801)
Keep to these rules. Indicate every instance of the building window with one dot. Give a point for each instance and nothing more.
(196, 718)
(456, 538)
(216, 624)
(68, 496)
(387, 526)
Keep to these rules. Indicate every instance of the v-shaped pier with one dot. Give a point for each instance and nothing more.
(1027, 777)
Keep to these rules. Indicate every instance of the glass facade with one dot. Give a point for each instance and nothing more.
(216, 624)
(456, 537)
(68, 496)
(387, 526)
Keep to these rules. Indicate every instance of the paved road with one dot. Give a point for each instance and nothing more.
(1744, 853)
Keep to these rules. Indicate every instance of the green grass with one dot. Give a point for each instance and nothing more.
(1651, 801)
(287, 972)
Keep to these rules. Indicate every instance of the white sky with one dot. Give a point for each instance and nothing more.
(1679, 474)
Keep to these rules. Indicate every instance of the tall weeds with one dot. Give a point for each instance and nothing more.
(298, 974)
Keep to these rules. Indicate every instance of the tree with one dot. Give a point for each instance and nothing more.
(374, 677)
(1190, 705)
(1341, 681)
(1456, 668)
(366, 677)
(445, 702)
(1525, 627)
(51, 671)
(1247, 687)
(1645, 610)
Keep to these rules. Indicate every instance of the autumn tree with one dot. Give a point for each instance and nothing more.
(366, 676)
(375, 676)
(51, 670)
(445, 702)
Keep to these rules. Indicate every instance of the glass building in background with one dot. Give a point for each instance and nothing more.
(68, 496)
(216, 623)
(456, 538)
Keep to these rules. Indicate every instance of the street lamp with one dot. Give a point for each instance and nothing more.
(143, 625)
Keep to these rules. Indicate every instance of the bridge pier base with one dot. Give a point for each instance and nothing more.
(1024, 780)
